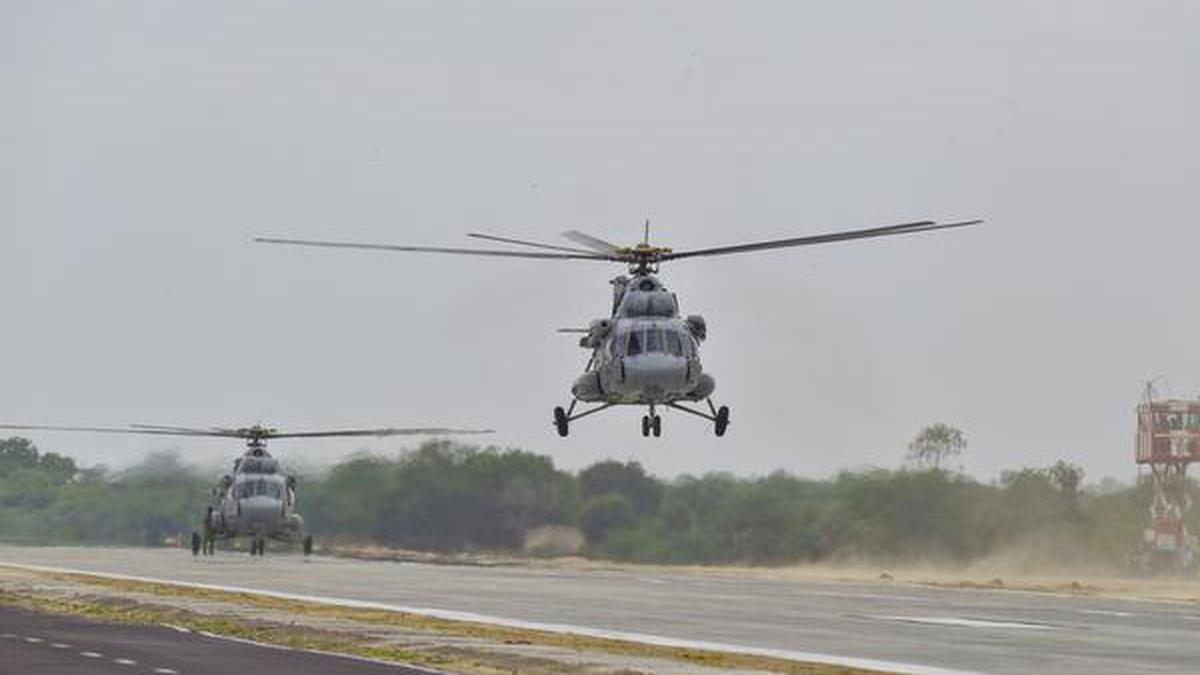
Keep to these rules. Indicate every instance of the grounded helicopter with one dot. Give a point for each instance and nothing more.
(256, 500)
(645, 353)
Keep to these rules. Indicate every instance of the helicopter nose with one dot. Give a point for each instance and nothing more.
(259, 510)
(656, 372)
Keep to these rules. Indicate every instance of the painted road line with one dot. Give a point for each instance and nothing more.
(968, 623)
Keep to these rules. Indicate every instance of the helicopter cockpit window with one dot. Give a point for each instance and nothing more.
(259, 488)
(674, 343)
(634, 347)
(654, 341)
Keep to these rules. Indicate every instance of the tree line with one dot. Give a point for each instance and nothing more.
(445, 496)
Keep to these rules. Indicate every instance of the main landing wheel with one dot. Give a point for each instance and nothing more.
(722, 421)
(308, 544)
(652, 424)
(561, 423)
(196, 543)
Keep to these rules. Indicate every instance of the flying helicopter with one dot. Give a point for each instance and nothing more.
(256, 499)
(645, 353)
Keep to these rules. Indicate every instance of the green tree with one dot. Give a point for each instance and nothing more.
(628, 479)
(17, 453)
(935, 445)
(604, 514)
(59, 468)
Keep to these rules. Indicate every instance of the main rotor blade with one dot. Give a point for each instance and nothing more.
(152, 430)
(379, 433)
(886, 231)
(148, 431)
(187, 430)
(430, 249)
(534, 244)
(594, 243)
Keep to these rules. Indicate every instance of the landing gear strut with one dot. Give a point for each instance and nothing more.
(651, 423)
(719, 416)
(563, 418)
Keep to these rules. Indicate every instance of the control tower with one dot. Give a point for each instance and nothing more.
(1168, 440)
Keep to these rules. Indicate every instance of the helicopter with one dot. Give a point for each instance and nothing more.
(256, 499)
(645, 353)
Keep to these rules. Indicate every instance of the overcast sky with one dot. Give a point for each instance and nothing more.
(143, 145)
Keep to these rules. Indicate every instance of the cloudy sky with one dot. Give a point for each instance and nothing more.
(145, 144)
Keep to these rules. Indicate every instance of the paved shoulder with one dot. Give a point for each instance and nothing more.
(41, 644)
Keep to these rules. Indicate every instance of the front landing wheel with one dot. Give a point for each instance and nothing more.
(561, 422)
(722, 421)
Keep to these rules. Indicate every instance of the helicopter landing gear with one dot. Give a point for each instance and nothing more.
(722, 422)
(563, 418)
(308, 545)
(196, 544)
(561, 421)
(652, 424)
(719, 416)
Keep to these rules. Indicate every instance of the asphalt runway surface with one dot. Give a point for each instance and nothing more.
(39, 644)
(904, 627)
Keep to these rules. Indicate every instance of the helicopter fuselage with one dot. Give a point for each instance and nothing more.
(645, 354)
(645, 361)
(256, 500)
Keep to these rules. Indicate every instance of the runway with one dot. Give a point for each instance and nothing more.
(39, 644)
(905, 627)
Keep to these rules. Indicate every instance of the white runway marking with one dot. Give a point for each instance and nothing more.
(966, 623)
(88, 655)
(1106, 612)
(450, 615)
